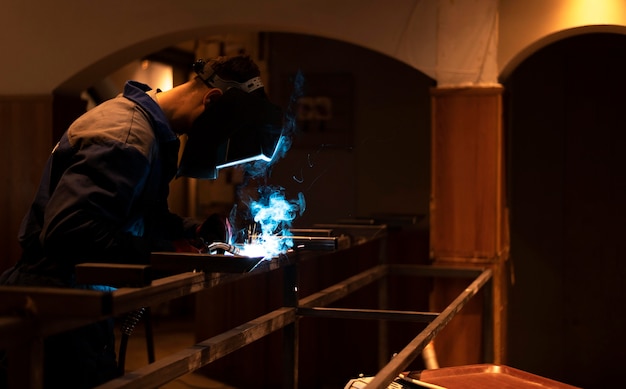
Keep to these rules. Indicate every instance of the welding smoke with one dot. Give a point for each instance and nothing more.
(261, 168)
(263, 229)
(272, 215)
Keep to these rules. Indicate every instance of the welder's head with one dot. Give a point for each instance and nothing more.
(240, 126)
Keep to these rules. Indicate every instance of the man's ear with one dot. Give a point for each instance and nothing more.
(212, 95)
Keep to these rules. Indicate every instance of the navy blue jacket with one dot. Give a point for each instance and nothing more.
(103, 192)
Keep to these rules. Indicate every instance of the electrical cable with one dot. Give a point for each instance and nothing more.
(420, 383)
(127, 329)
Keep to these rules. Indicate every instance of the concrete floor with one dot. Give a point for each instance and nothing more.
(171, 334)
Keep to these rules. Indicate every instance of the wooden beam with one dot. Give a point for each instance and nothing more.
(46, 301)
(114, 274)
(161, 290)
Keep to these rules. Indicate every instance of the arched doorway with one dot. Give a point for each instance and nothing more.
(566, 189)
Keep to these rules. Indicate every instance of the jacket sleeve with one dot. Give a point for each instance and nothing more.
(94, 212)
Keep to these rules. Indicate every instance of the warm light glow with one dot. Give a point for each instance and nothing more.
(582, 12)
(155, 74)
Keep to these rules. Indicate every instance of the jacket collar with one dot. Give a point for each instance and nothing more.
(143, 95)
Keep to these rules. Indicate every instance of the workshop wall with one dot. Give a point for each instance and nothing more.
(371, 157)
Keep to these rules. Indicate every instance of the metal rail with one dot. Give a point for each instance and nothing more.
(415, 347)
(99, 304)
(203, 353)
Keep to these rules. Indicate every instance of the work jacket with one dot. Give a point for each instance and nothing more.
(103, 192)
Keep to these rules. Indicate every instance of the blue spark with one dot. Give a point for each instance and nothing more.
(274, 215)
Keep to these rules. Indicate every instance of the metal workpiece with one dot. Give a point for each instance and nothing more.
(320, 243)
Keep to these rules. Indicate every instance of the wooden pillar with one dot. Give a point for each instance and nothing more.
(468, 218)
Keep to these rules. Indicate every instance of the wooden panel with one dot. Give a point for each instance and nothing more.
(467, 176)
(26, 143)
(469, 224)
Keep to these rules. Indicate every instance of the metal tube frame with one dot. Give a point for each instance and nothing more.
(286, 318)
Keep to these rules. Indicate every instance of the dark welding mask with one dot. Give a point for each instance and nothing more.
(240, 127)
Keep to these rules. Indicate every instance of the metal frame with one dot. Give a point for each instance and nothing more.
(20, 330)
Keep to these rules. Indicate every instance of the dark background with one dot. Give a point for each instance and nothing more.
(566, 188)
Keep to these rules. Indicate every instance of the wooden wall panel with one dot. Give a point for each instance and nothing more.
(26, 130)
(467, 174)
(468, 218)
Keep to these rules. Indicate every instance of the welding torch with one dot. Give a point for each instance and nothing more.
(223, 246)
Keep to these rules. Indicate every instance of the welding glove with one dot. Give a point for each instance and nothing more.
(216, 228)
(196, 246)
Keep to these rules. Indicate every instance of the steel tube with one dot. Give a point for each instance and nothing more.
(192, 358)
(342, 289)
(369, 314)
(400, 362)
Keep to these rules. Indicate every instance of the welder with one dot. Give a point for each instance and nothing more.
(103, 194)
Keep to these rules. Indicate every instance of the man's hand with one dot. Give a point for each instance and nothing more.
(195, 246)
(216, 228)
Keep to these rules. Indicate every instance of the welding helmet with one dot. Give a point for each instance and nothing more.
(241, 126)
